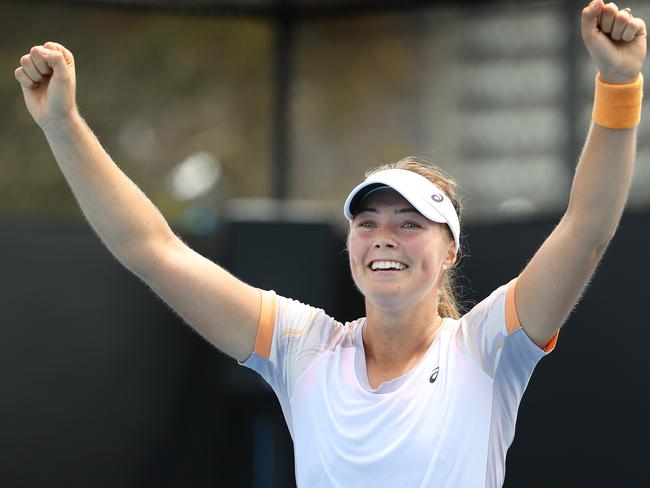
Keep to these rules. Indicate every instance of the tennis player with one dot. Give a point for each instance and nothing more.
(414, 394)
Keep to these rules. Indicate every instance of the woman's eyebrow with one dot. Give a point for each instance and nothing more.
(366, 209)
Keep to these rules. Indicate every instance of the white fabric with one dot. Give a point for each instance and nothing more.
(409, 432)
(426, 197)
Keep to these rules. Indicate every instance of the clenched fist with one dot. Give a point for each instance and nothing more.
(616, 41)
(47, 77)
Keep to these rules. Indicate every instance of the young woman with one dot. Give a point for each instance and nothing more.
(413, 394)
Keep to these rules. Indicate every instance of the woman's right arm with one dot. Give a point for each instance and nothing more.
(219, 306)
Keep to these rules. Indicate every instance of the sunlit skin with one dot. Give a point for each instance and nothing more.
(401, 306)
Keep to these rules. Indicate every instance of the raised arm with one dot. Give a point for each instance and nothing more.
(222, 309)
(553, 280)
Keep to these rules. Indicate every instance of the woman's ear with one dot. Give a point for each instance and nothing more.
(452, 255)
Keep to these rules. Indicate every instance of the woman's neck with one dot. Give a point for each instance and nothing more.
(395, 340)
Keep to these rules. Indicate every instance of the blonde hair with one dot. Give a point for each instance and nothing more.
(448, 301)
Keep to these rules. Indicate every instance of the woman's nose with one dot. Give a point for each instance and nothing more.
(384, 240)
(384, 244)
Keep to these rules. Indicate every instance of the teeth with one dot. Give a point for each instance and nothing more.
(387, 265)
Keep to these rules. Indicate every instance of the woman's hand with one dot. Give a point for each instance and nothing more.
(616, 41)
(47, 77)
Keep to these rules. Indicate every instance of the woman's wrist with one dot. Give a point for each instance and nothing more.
(58, 125)
(618, 105)
(617, 78)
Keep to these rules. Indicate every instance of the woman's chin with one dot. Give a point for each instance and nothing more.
(388, 297)
(394, 296)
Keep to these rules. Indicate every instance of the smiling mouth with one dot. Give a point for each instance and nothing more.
(386, 266)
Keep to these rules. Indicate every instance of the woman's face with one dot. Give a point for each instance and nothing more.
(396, 254)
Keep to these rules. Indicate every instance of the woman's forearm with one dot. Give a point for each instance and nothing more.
(601, 183)
(123, 217)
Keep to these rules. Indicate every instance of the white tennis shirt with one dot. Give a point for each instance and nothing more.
(446, 423)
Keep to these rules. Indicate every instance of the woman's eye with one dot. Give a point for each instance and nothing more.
(368, 224)
(410, 225)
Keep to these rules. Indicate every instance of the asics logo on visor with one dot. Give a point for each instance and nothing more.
(436, 197)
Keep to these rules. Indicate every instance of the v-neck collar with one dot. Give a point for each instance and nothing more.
(389, 386)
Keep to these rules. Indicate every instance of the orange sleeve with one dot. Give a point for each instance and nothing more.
(266, 324)
(512, 317)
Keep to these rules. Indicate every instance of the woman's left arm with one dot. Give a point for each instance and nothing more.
(551, 284)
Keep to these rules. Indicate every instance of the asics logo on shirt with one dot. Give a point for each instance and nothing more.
(434, 375)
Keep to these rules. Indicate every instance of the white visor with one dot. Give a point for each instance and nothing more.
(426, 197)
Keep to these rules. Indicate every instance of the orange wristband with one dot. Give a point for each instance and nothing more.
(618, 106)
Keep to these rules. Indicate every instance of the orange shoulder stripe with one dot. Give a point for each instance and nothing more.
(512, 317)
(266, 324)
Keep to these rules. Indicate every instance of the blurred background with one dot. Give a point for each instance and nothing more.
(247, 123)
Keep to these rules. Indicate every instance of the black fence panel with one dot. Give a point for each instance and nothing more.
(102, 385)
